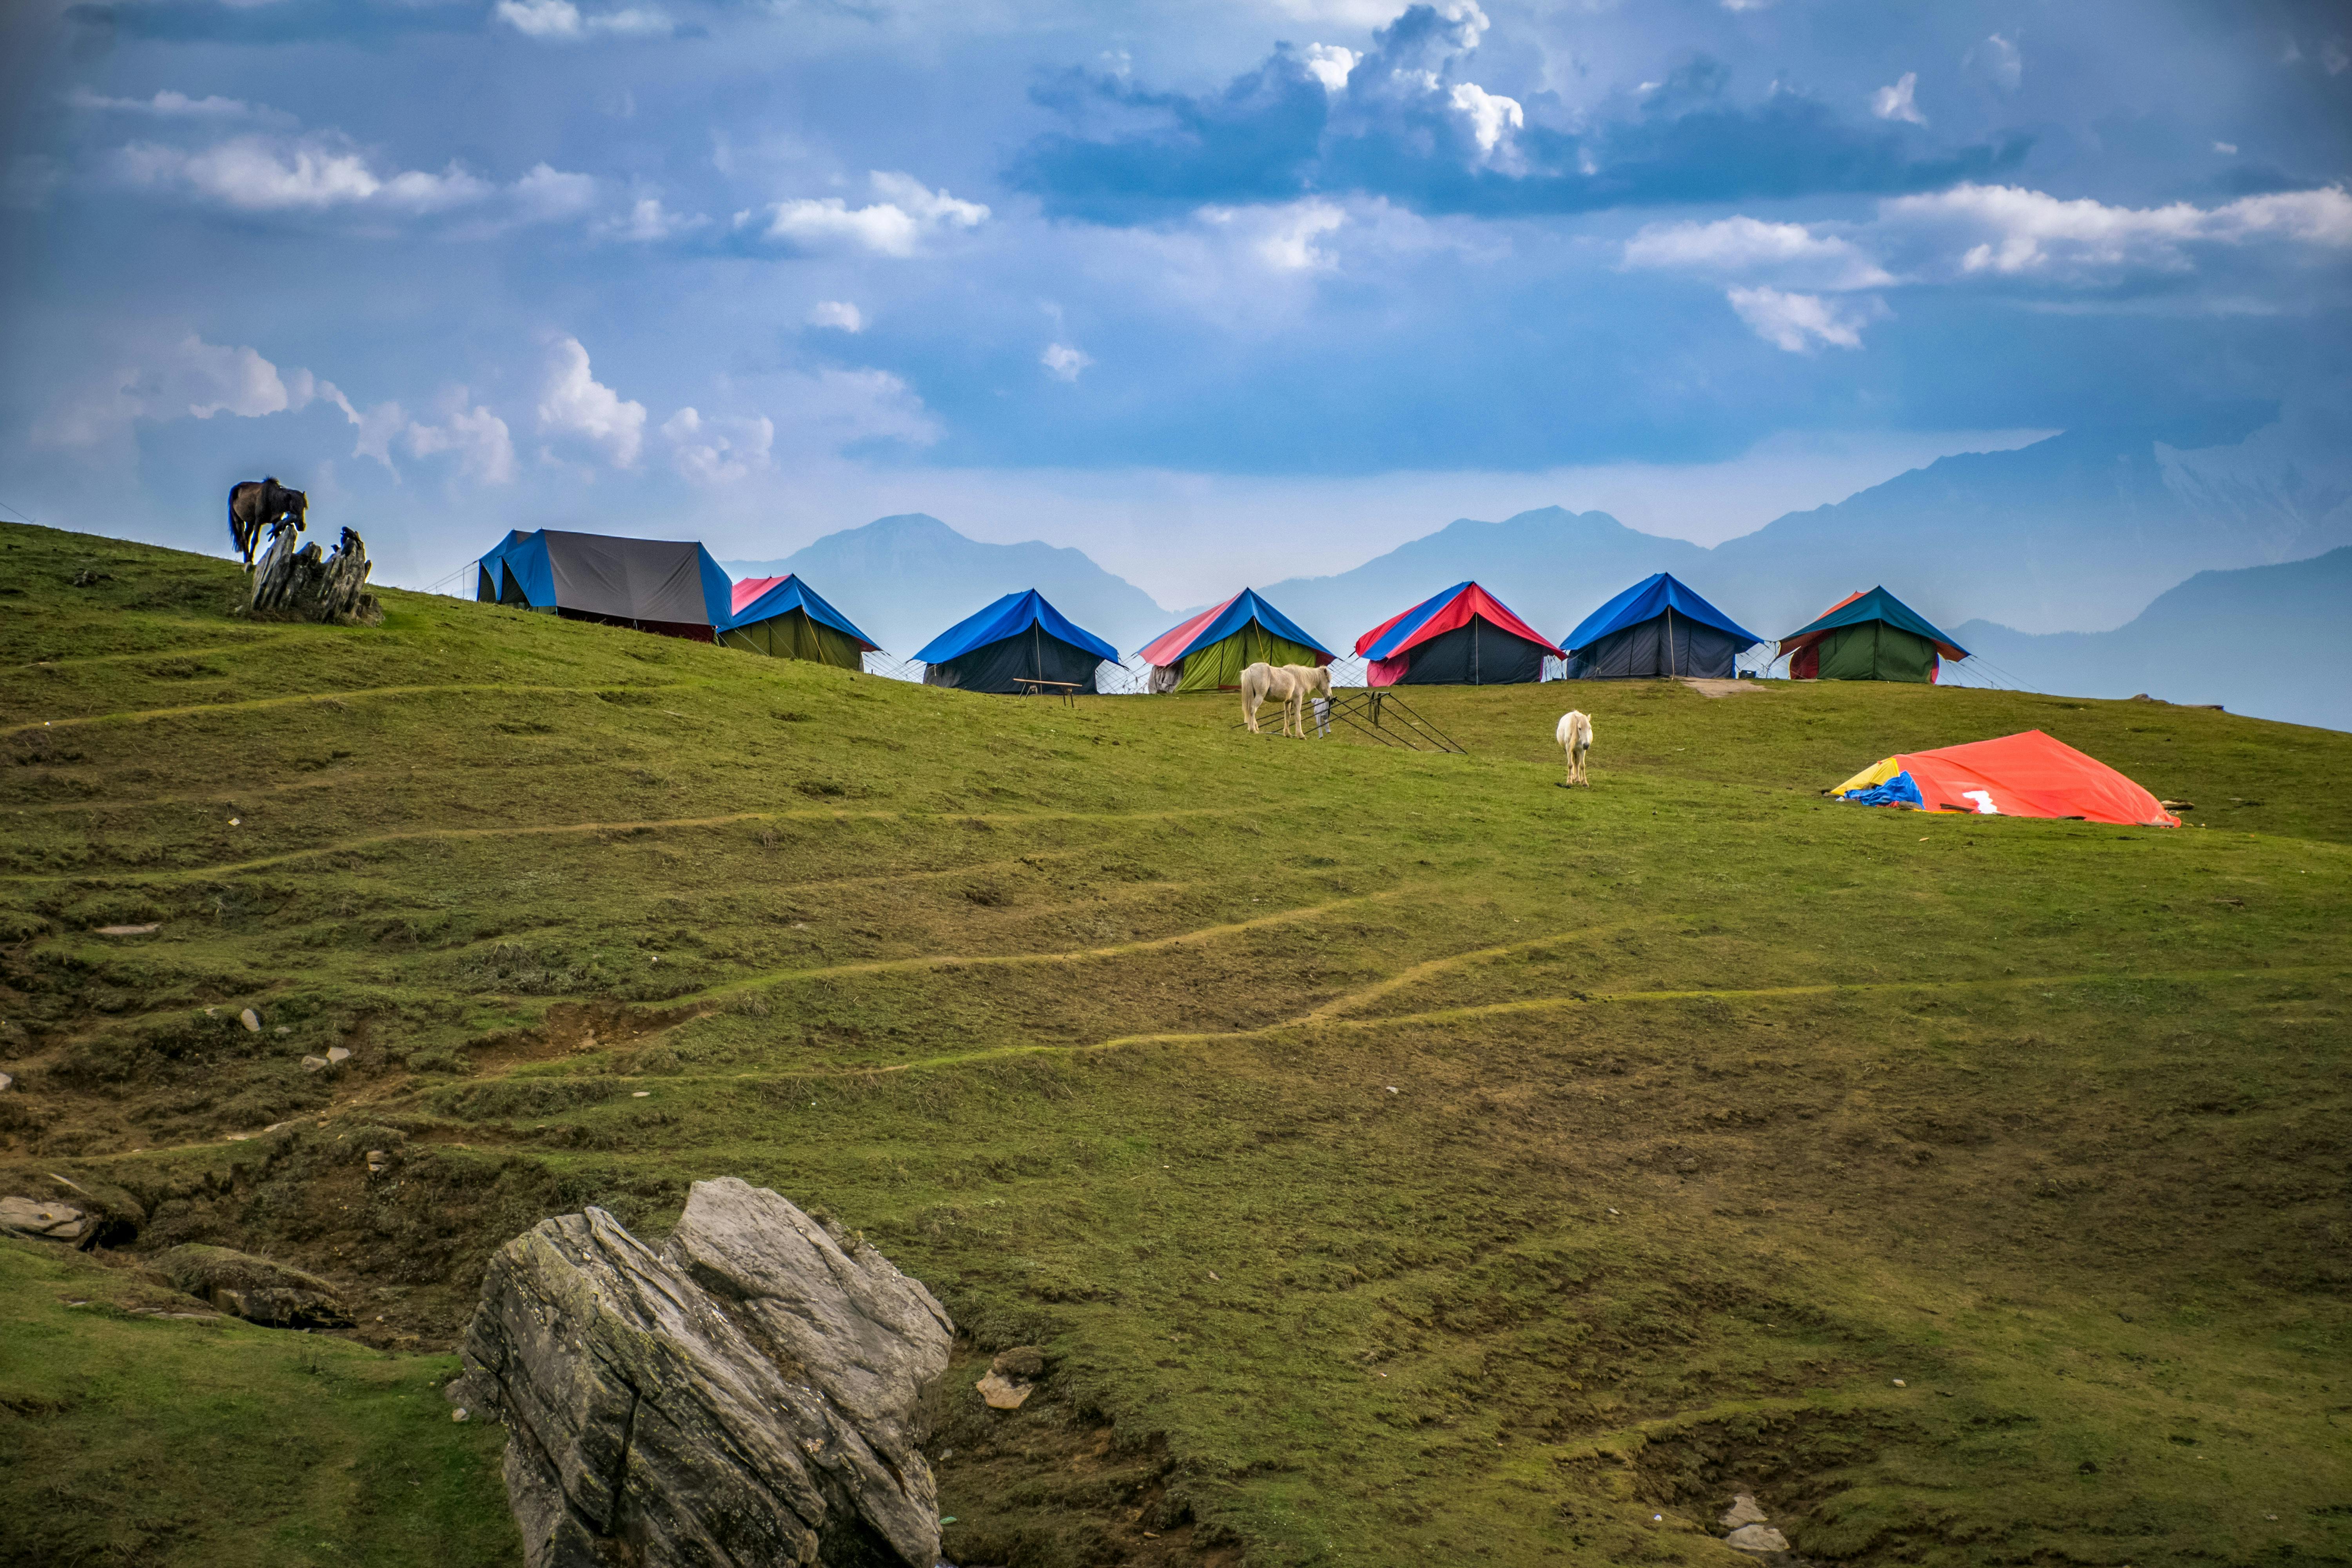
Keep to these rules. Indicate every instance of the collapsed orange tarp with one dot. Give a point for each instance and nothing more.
(2030, 774)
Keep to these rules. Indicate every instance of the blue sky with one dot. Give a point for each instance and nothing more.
(1216, 291)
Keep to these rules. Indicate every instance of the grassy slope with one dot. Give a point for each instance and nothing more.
(1716, 1109)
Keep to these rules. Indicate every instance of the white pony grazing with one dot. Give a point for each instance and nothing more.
(1260, 681)
(1307, 682)
(1575, 737)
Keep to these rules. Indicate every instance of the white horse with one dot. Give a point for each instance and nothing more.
(1262, 680)
(1575, 737)
(1308, 682)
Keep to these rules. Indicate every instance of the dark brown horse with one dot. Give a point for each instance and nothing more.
(255, 504)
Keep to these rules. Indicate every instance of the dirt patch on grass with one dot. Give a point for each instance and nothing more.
(1722, 688)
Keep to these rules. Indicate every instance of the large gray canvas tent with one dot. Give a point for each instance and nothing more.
(667, 585)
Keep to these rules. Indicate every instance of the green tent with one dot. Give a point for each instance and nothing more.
(1209, 651)
(784, 618)
(1868, 637)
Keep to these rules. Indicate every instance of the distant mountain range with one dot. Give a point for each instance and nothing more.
(2272, 641)
(906, 579)
(2076, 532)
(2028, 552)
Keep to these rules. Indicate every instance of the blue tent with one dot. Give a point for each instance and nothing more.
(1657, 627)
(667, 585)
(1014, 645)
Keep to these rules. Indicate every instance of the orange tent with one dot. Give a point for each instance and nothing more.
(2030, 774)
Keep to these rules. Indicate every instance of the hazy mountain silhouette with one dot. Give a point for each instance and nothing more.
(2079, 532)
(2272, 641)
(906, 579)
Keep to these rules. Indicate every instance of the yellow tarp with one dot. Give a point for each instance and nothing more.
(1876, 774)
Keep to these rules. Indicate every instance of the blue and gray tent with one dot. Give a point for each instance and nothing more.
(1013, 644)
(667, 585)
(784, 618)
(1659, 627)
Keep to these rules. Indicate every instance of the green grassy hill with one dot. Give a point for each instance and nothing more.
(1403, 1159)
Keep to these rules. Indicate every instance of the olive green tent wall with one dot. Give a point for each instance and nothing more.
(1220, 663)
(793, 635)
(1874, 650)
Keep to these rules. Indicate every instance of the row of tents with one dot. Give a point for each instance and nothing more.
(1463, 637)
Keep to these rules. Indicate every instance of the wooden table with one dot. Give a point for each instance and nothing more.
(1069, 688)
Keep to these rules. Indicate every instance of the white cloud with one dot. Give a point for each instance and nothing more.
(2004, 61)
(717, 451)
(1790, 251)
(547, 193)
(484, 447)
(2333, 57)
(898, 224)
(572, 402)
(2009, 231)
(1897, 103)
(1802, 324)
(1283, 237)
(1490, 114)
(2227, 149)
(253, 174)
(170, 105)
(1470, 24)
(836, 313)
(1064, 363)
(649, 221)
(191, 379)
(1330, 64)
(1745, 4)
(560, 21)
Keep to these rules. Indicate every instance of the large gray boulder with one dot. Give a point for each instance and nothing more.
(744, 1397)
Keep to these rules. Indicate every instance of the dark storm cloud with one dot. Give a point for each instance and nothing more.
(1275, 133)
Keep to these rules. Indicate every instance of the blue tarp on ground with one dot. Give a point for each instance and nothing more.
(1012, 615)
(791, 594)
(1648, 599)
(1896, 790)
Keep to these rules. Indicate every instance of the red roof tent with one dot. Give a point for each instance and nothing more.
(2032, 774)
(1470, 600)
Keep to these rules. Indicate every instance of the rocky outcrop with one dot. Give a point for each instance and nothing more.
(254, 1288)
(744, 1396)
(303, 584)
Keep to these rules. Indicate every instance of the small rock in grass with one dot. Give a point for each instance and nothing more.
(459, 1413)
(378, 1162)
(1743, 1511)
(1757, 1538)
(254, 1288)
(1900, 1384)
(644, 1093)
(48, 1221)
(1012, 1377)
(251, 1020)
(339, 1053)
(7, 1083)
(284, 1029)
(127, 930)
(314, 1064)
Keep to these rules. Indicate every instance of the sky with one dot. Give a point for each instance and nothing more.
(1217, 291)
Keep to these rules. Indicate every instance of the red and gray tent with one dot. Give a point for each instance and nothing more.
(667, 585)
(1464, 636)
